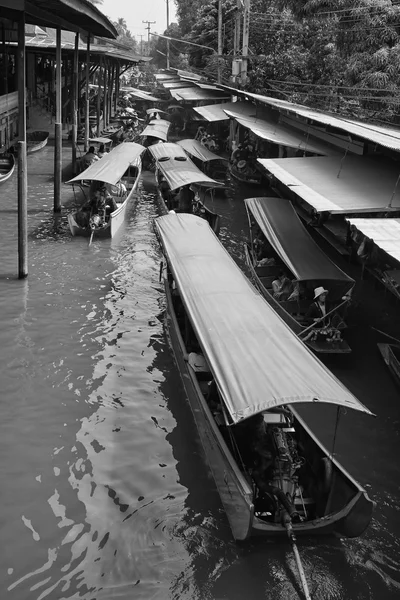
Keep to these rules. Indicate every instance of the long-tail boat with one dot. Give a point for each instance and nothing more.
(175, 170)
(244, 371)
(119, 172)
(279, 242)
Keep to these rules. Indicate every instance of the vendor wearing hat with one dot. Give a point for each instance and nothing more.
(319, 309)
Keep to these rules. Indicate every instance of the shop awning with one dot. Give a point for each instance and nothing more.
(339, 185)
(278, 134)
(285, 232)
(384, 232)
(257, 361)
(216, 112)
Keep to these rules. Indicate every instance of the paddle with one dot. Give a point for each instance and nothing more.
(91, 237)
(387, 335)
(287, 521)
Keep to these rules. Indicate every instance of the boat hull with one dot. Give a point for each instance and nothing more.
(253, 179)
(319, 347)
(7, 166)
(388, 354)
(348, 509)
(213, 219)
(116, 218)
(36, 140)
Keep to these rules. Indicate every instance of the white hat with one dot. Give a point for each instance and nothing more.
(318, 291)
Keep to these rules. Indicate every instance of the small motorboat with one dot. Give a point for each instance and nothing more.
(7, 166)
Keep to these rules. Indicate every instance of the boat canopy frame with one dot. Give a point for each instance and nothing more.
(258, 363)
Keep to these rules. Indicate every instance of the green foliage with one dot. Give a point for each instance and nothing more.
(339, 55)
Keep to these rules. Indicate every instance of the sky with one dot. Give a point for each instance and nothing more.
(136, 11)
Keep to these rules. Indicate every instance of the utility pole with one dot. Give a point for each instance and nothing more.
(148, 33)
(167, 1)
(219, 40)
(141, 44)
(245, 47)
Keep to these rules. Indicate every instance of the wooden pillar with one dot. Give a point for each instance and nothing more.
(75, 88)
(116, 87)
(22, 160)
(87, 93)
(109, 89)
(100, 72)
(58, 128)
(112, 91)
(105, 94)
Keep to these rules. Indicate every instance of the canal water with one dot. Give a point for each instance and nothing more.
(104, 490)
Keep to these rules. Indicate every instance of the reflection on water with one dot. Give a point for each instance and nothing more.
(105, 490)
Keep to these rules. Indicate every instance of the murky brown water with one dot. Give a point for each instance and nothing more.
(104, 492)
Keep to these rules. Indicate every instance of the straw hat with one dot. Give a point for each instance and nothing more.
(318, 291)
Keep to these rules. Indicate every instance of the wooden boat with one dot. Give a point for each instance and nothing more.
(120, 166)
(391, 356)
(245, 174)
(285, 245)
(36, 140)
(157, 129)
(179, 172)
(210, 163)
(243, 370)
(7, 166)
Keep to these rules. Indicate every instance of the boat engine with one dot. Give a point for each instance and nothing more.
(285, 466)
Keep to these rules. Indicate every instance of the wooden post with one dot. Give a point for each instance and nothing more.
(116, 87)
(245, 47)
(98, 107)
(105, 93)
(58, 128)
(110, 92)
(22, 211)
(75, 88)
(87, 93)
(219, 65)
(168, 50)
(22, 160)
(112, 96)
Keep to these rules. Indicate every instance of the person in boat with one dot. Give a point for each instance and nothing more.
(237, 154)
(101, 151)
(185, 199)
(319, 308)
(201, 131)
(89, 158)
(282, 287)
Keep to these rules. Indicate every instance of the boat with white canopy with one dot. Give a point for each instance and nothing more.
(279, 243)
(244, 370)
(210, 163)
(181, 185)
(114, 178)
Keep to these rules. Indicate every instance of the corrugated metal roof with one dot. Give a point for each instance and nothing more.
(390, 138)
(384, 232)
(278, 134)
(195, 93)
(175, 85)
(72, 15)
(216, 112)
(351, 185)
(48, 41)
